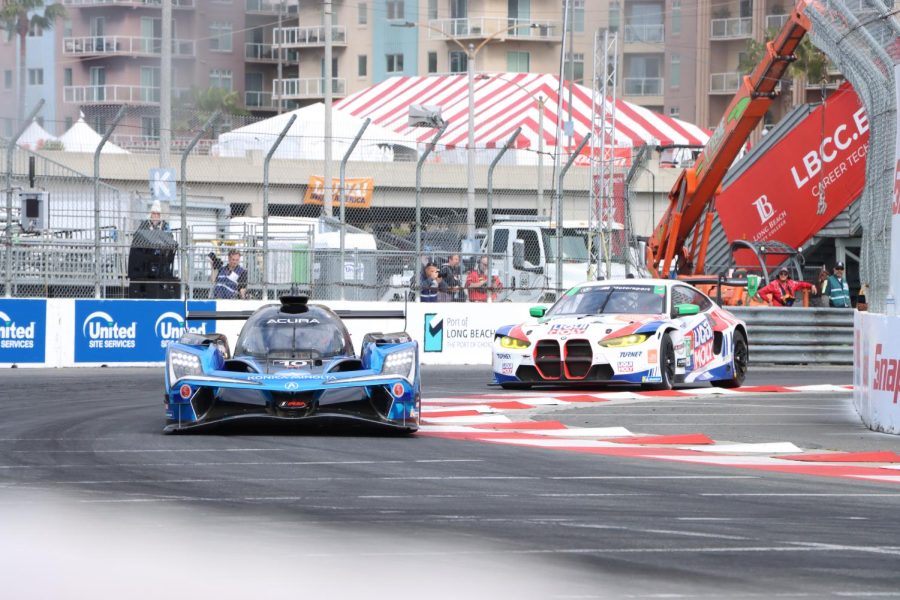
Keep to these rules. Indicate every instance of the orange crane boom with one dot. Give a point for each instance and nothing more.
(696, 187)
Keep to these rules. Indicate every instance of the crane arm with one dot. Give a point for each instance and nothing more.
(697, 185)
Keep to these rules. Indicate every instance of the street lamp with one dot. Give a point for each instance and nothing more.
(471, 52)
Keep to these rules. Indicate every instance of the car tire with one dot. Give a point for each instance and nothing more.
(740, 361)
(666, 364)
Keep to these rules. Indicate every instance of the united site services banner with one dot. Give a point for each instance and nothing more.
(777, 198)
(23, 331)
(358, 194)
(127, 331)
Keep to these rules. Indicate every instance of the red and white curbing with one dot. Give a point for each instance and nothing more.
(485, 418)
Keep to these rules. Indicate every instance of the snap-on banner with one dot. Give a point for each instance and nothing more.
(128, 331)
(23, 331)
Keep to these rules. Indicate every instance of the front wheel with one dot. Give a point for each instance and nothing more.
(740, 360)
(666, 365)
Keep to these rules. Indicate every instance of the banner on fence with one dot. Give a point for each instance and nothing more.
(358, 195)
(129, 331)
(23, 331)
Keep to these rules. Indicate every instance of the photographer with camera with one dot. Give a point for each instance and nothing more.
(783, 290)
(230, 278)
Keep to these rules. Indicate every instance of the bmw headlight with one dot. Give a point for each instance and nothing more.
(626, 340)
(183, 364)
(400, 363)
(514, 343)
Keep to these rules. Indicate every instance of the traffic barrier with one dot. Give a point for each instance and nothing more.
(876, 376)
(67, 332)
(792, 336)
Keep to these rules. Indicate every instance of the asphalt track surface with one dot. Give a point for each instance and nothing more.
(91, 488)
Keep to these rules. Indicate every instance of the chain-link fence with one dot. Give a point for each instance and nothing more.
(256, 185)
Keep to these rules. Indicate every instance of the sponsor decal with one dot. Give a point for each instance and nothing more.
(116, 331)
(562, 329)
(887, 373)
(702, 352)
(506, 368)
(398, 390)
(23, 331)
(280, 376)
(292, 404)
(502, 356)
(292, 321)
(625, 366)
(631, 354)
(764, 208)
(445, 333)
(434, 332)
(290, 364)
(185, 391)
(651, 379)
(653, 356)
(291, 386)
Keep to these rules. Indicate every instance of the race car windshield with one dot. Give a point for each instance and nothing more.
(630, 299)
(292, 339)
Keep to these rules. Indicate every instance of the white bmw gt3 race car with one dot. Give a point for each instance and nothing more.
(652, 332)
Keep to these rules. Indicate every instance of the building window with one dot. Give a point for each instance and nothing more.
(67, 28)
(674, 112)
(676, 16)
(432, 62)
(577, 16)
(394, 63)
(675, 71)
(7, 79)
(574, 69)
(362, 13)
(221, 78)
(150, 127)
(432, 9)
(67, 76)
(35, 30)
(35, 77)
(395, 10)
(362, 65)
(220, 36)
(518, 62)
(458, 62)
(614, 15)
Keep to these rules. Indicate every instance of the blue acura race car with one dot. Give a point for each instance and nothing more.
(293, 362)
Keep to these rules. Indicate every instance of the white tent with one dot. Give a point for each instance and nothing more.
(81, 138)
(305, 139)
(35, 136)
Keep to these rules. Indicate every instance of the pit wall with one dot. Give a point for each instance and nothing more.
(876, 373)
(90, 333)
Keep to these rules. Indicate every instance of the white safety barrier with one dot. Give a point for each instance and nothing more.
(876, 375)
(67, 332)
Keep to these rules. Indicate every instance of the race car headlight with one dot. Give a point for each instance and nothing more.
(514, 343)
(183, 364)
(399, 363)
(625, 340)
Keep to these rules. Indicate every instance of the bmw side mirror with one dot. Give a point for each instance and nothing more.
(537, 311)
(683, 310)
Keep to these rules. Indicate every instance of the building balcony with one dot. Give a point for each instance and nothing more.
(724, 83)
(176, 4)
(643, 86)
(259, 100)
(645, 34)
(114, 94)
(268, 53)
(775, 21)
(269, 7)
(307, 88)
(481, 28)
(307, 37)
(731, 29)
(118, 45)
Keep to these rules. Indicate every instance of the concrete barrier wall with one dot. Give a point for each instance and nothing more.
(876, 373)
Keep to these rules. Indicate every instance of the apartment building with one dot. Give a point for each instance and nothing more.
(679, 57)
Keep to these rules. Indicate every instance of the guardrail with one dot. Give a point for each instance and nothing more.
(795, 336)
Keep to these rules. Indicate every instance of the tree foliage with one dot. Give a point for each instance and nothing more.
(15, 19)
(811, 64)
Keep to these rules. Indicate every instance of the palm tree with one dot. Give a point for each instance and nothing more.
(17, 17)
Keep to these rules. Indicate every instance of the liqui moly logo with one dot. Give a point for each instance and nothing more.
(560, 329)
(103, 331)
(764, 208)
(887, 373)
(15, 335)
(170, 326)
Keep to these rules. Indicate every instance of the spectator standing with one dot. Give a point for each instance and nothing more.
(230, 278)
(154, 220)
(477, 282)
(783, 290)
(429, 284)
(836, 288)
(451, 288)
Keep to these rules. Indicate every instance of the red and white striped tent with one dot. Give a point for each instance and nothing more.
(504, 101)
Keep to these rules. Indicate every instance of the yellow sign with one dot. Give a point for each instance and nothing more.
(358, 191)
